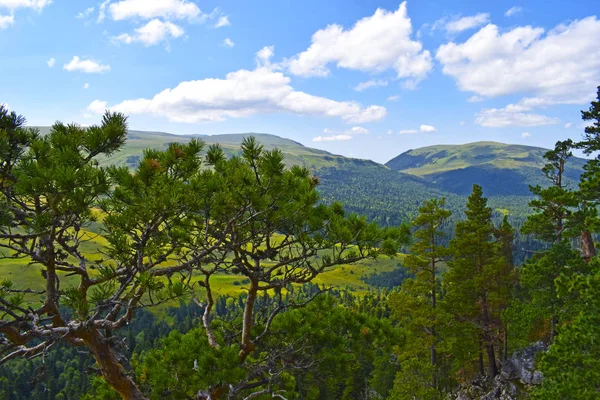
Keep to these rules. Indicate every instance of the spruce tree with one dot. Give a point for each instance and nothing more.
(476, 277)
(416, 304)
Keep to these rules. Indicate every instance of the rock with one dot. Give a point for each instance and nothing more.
(518, 370)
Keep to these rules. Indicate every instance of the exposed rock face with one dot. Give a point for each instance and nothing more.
(513, 382)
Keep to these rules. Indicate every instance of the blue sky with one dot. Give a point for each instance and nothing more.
(360, 78)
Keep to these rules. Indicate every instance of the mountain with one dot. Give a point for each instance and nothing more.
(502, 169)
(363, 186)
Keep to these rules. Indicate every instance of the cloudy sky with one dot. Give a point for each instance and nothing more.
(362, 78)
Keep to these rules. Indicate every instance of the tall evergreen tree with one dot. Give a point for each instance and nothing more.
(416, 303)
(476, 277)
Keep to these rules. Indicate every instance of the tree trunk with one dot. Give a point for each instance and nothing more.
(587, 246)
(493, 368)
(109, 366)
(487, 336)
(433, 332)
(212, 340)
(505, 344)
(553, 322)
(481, 367)
(247, 345)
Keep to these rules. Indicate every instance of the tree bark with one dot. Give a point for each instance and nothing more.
(487, 337)
(553, 333)
(481, 366)
(587, 246)
(109, 365)
(247, 345)
(433, 332)
(505, 344)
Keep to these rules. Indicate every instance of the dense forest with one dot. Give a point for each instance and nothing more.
(139, 316)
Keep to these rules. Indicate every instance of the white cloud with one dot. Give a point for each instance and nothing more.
(357, 130)
(264, 55)
(86, 85)
(149, 9)
(475, 99)
(153, 33)
(6, 21)
(228, 43)
(512, 11)
(465, 23)
(222, 21)
(559, 66)
(462, 123)
(85, 14)
(102, 11)
(375, 43)
(87, 66)
(512, 115)
(525, 134)
(370, 84)
(427, 129)
(97, 107)
(568, 125)
(347, 135)
(422, 129)
(37, 5)
(241, 94)
(389, 132)
(51, 62)
(331, 138)
(393, 98)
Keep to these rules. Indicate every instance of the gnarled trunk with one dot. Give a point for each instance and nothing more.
(247, 345)
(110, 367)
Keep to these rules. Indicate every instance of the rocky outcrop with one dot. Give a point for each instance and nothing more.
(517, 376)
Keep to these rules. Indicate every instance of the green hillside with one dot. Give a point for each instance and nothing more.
(502, 169)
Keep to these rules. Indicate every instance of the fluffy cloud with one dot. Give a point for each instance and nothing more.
(51, 62)
(462, 24)
(370, 84)
(331, 138)
(525, 134)
(222, 21)
(86, 85)
(512, 115)
(228, 43)
(526, 60)
(102, 11)
(149, 9)
(242, 93)
(427, 129)
(12, 5)
(376, 43)
(153, 33)
(87, 66)
(475, 99)
(422, 129)
(85, 14)
(512, 11)
(34, 4)
(347, 135)
(393, 98)
(264, 55)
(6, 21)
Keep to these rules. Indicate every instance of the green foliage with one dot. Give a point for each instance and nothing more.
(478, 281)
(415, 305)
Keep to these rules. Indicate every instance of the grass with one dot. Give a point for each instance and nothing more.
(346, 276)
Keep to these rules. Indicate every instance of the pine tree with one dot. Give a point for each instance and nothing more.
(416, 303)
(476, 278)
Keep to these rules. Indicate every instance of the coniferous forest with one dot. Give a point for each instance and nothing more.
(200, 274)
